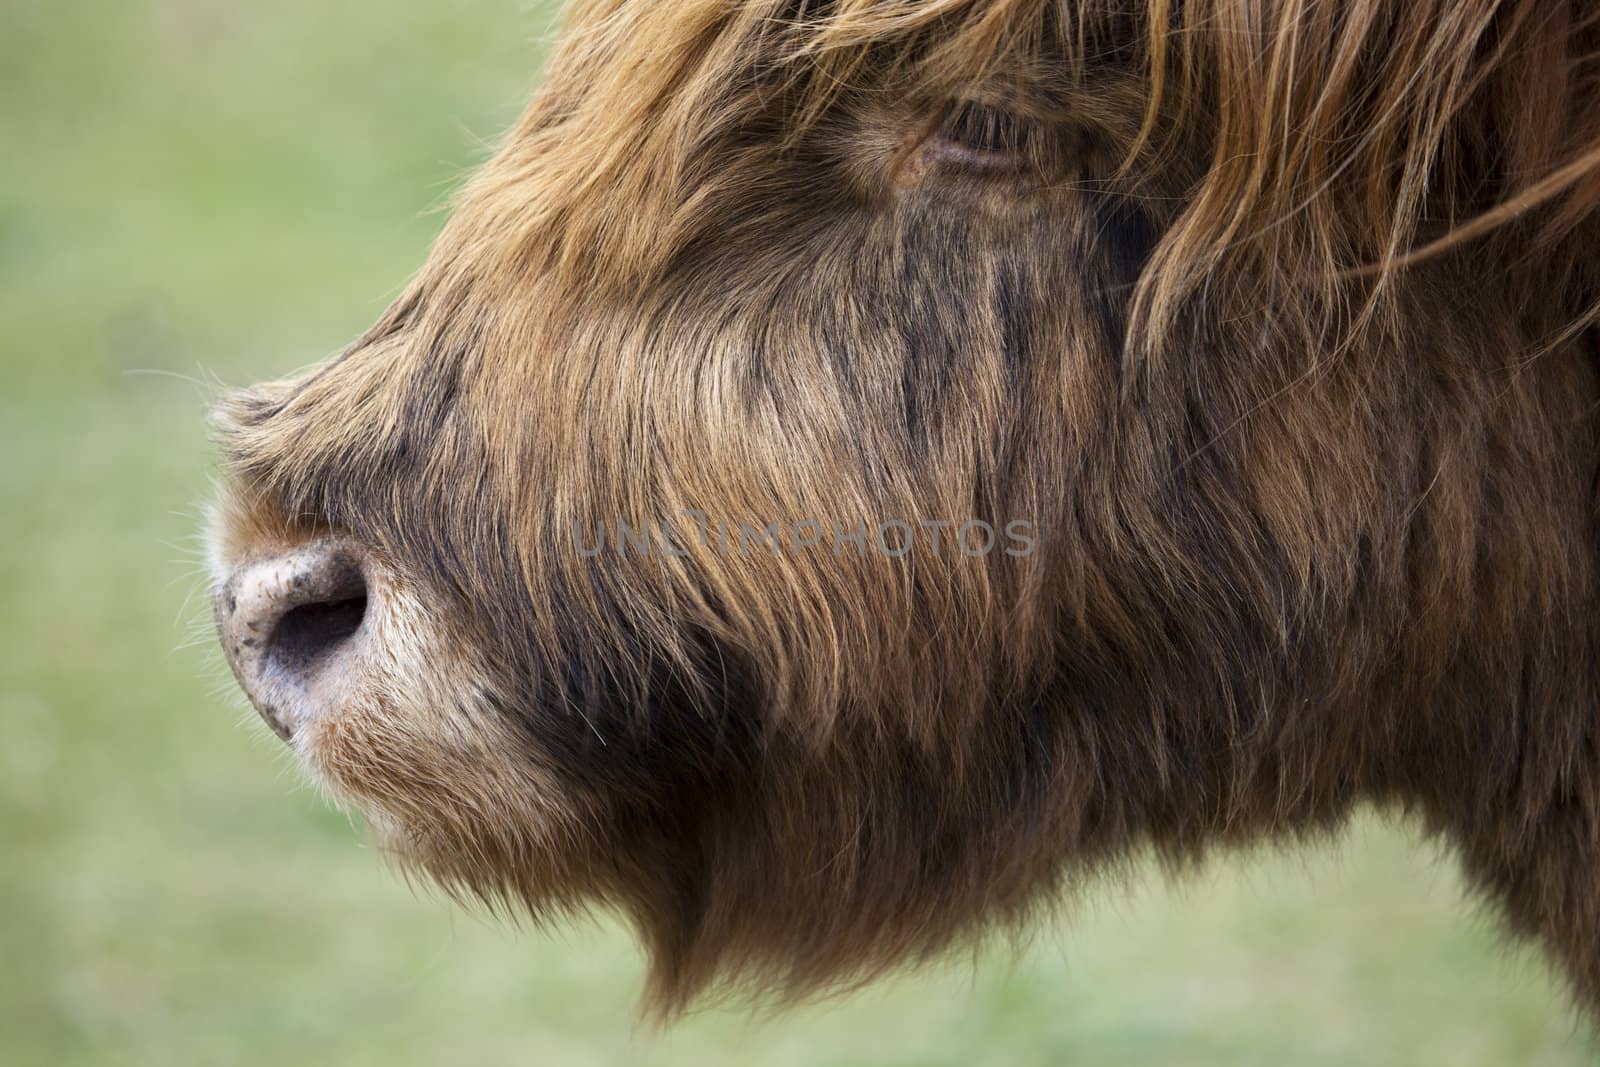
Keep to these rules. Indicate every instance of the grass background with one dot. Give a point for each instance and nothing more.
(202, 190)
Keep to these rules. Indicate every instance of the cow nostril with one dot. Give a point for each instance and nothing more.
(320, 625)
(294, 627)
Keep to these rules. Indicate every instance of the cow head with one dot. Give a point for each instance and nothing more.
(847, 470)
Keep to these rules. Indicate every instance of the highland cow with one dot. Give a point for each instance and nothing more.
(1259, 335)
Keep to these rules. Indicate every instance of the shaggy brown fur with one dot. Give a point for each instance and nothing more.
(1274, 317)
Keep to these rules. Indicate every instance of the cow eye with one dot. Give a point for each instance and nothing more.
(984, 137)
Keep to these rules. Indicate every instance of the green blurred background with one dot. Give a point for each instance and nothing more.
(202, 191)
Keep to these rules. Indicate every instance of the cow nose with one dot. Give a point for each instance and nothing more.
(292, 629)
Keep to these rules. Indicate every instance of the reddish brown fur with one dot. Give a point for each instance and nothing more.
(1281, 331)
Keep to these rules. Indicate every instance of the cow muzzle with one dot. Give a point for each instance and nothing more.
(296, 628)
